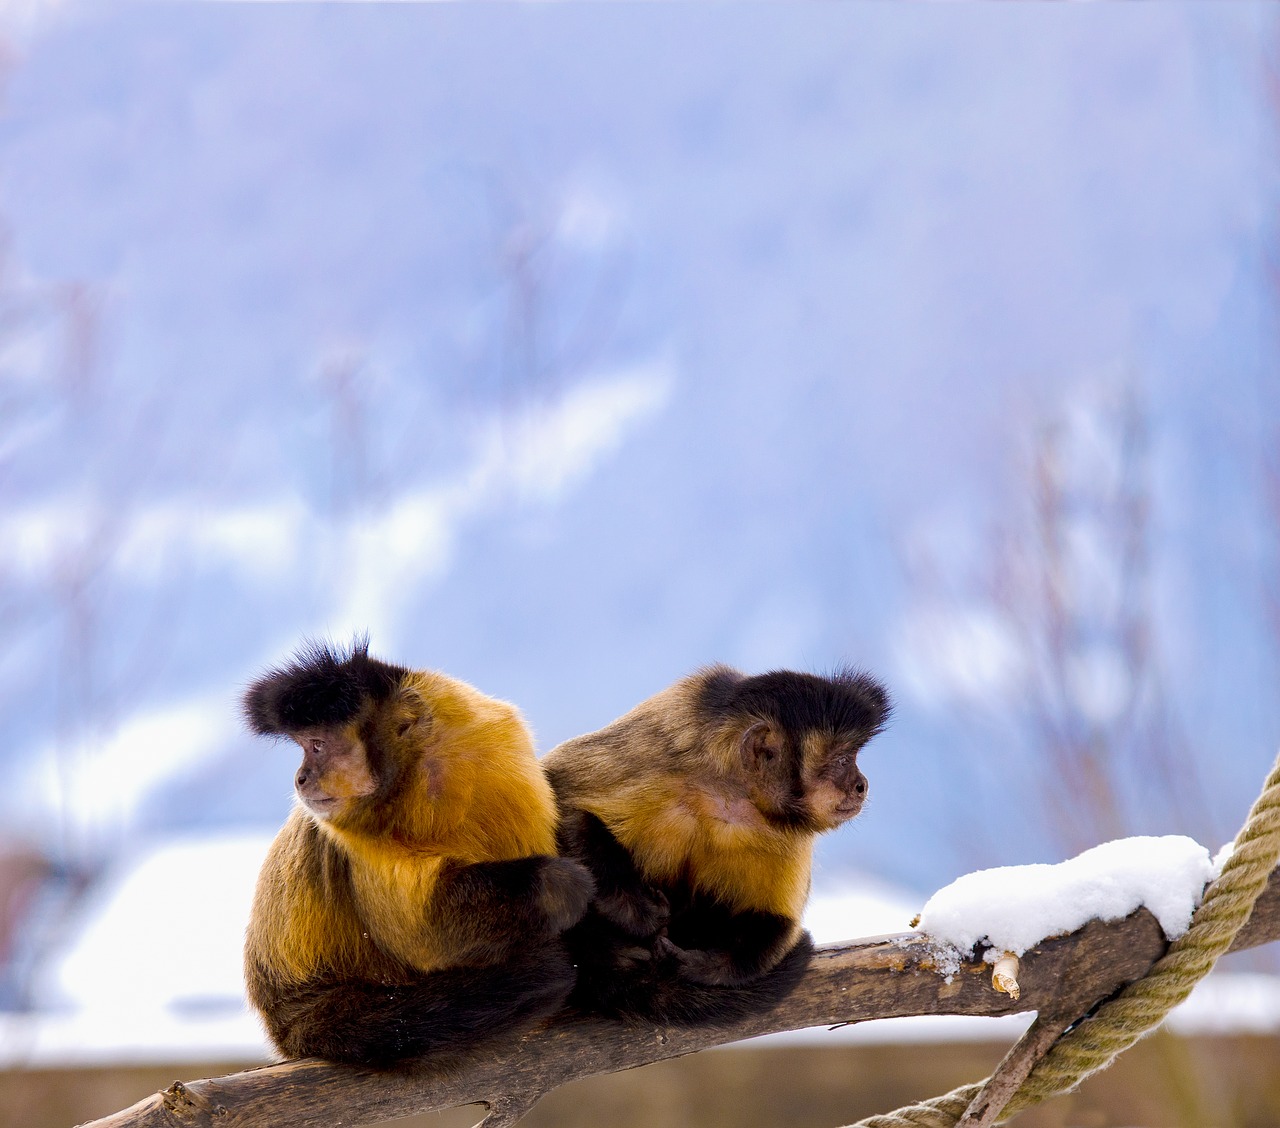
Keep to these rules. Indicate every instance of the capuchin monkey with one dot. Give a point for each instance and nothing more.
(413, 903)
(696, 813)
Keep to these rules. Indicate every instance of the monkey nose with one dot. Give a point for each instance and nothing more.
(860, 786)
(302, 778)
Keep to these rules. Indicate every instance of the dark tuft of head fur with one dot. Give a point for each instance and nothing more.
(320, 686)
(849, 701)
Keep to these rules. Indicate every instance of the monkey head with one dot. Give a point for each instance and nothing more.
(337, 707)
(799, 749)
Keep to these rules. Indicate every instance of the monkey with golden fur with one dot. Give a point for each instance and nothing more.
(696, 813)
(413, 903)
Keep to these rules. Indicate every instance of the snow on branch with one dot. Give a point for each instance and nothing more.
(878, 977)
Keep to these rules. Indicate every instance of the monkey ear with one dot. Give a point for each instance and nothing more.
(412, 714)
(760, 745)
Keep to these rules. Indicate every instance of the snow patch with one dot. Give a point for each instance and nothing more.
(858, 908)
(1231, 1003)
(919, 1029)
(165, 934)
(262, 541)
(588, 220)
(100, 779)
(537, 457)
(1013, 908)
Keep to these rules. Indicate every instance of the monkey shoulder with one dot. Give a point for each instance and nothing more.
(469, 719)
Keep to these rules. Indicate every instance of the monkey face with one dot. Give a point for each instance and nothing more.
(818, 784)
(836, 787)
(335, 772)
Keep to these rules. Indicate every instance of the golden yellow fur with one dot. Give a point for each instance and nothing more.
(683, 809)
(295, 922)
(676, 828)
(467, 741)
(473, 792)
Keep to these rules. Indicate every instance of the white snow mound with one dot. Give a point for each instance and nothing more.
(1013, 908)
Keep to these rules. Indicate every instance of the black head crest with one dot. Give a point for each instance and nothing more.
(321, 686)
(848, 701)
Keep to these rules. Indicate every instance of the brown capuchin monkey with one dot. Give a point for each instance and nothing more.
(696, 813)
(413, 903)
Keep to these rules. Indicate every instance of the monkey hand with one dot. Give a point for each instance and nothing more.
(699, 965)
(631, 960)
(565, 889)
(640, 912)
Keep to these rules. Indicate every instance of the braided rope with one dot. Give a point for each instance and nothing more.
(1094, 1043)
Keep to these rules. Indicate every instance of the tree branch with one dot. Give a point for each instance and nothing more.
(877, 977)
(985, 1109)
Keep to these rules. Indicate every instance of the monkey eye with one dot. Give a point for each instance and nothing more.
(317, 745)
(843, 760)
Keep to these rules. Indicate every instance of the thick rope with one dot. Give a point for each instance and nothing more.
(1095, 1042)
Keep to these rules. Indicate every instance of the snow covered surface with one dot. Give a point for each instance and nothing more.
(166, 933)
(1013, 908)
(1230, 1003)
(153, 970)
(863, 906)
(128, 1037)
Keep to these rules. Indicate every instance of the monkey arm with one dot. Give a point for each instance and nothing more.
(716, 946)
(480, 913)
(623, 897)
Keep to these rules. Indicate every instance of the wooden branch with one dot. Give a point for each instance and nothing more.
(877, 977)
(985, 1109)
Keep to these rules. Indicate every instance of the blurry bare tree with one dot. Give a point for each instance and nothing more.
(543, 302)
(48, 597)
(1271, 472)
(1268, 378)
(73, 456)
(1065, 589)
(1076, 583)
(343, 376)
(559, 287)
(25, 318)
(50, 575)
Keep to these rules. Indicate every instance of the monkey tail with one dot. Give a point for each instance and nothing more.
(653, 991)
(436, 1019)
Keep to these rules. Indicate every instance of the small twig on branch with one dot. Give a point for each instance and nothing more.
(505, 1111)
(878, 977)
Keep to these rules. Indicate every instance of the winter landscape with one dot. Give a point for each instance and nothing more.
(571, 347)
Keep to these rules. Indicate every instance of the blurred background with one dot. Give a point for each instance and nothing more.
(568, 347)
